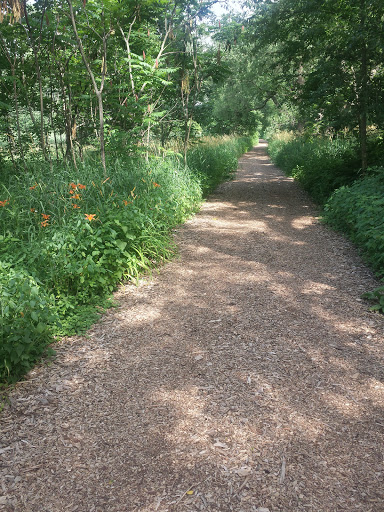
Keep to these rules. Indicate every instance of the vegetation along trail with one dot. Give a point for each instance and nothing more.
(247, 376)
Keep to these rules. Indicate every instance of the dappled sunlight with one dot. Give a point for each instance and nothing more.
(316, 288)
(303, 222)
(246, 375)
(281, 207)
(346, 407)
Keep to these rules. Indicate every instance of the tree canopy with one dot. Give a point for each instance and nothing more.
(135, 75)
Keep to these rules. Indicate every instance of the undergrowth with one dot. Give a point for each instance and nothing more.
(69, 236)
(358, 212)
(320, 165)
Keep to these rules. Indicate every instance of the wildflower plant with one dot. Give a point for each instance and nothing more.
(68, 237)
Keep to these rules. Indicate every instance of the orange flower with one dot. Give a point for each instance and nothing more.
(34, 186)
(44, 224)
(73, 185)
(45, 216)
(81, 187)
(33, 210)
(71, 191)
(76, 206)
(4, 203)
(126, 202)
(90, 216)
(76, 196)
(155, 184)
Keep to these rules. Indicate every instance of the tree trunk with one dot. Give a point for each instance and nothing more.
(363, 89)
(101, 135)
(98, 91)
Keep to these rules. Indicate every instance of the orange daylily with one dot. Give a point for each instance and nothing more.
(34, 186)
(81, 187)
(44, 223)
(4, 203)
(45, 216)
(76, 196)
(76, 206)
(155, 184)
(90, 216)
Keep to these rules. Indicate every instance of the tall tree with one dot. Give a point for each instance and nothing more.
(336, 48)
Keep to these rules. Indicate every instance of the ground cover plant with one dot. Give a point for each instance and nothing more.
(358, 212)
(68, 236)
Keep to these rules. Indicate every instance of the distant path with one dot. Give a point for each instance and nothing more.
(248, 375)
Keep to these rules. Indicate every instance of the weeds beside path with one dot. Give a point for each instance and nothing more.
(247, 375)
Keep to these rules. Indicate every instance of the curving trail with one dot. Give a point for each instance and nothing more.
(247, 376)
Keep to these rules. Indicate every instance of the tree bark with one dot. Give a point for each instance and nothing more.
(98, 91)
(363, 89)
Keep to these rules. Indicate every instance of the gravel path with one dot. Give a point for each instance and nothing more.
(247, 376)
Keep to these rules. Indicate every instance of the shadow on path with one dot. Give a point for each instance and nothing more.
(248, 374)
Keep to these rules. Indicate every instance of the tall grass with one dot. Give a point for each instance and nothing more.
(68, 236)
(320, 165)
(215, 159)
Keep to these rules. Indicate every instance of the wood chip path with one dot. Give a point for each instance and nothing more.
(246, 376)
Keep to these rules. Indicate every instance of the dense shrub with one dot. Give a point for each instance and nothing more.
(358, 211)
(320, 165)
(26, 320)
(329, 170)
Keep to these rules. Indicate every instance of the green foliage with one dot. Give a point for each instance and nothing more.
(320, 165)
(68, 238)
(376, 296)
(358, 211)
(27, 317)
(215, 160)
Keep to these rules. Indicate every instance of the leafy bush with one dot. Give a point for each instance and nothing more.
(320, 165)
(376, 296)
(27, 317)
(358, 211)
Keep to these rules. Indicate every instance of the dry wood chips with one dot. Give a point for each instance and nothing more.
(247, 376)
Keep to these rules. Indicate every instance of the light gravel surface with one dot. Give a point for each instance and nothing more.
(246, 376)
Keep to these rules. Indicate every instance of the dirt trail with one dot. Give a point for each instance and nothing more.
(248, 375)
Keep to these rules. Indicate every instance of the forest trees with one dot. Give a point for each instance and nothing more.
(74, 73)
(331, 52)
